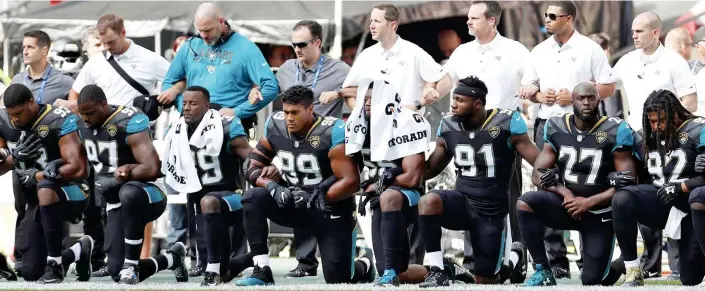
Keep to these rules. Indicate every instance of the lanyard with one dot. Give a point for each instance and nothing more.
(315, 77)
(44, 83)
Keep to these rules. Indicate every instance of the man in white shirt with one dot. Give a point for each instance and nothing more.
(652, 67)
(499, 62)
(144, 66)
(557, 65)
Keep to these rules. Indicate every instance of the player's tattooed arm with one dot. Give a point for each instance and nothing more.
(544, 161)
(438, 160)
(74, 154)
(258, 160)
(414, 167)
(347, 172)
(525, 147)
(147, 167)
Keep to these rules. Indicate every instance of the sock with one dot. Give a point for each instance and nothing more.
(151, 266)
(131, 262)
(53, 227)
(261, 260)
(169, 259)
(239, 263)
(514, 259)
(68, 257)
(532, 230)
(55, 259)
(133, 248)
(699, 226)
(430, 226)
(359, 272)
(623, 210)
(435, 259)
(256, 227)
(631, 264)
(213, 267)
(212, 228)
(393, 235)
(367, 263)
(76, 249)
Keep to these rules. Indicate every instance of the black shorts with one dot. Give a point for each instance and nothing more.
(596, 230)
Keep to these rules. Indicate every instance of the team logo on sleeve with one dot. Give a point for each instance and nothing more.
(315, 141)
(112, 129)
(493, 130)
(601, 136)
(683, 137)
(43, 130)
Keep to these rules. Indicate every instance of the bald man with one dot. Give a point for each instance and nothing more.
(680, 41)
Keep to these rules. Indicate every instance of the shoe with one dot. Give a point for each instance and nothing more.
(647, 274)
(675, 276)
(196, 271)
(518, 274)
(53, 273)
(102, 272)
(633, 278)
(96, 264)
(178, 253)
(260, 276)
(436, 278)
(388, 279)
(83, 264)
(457, 272)
(560, 272)
(369, 276)
(129, 274)
(5, 270)
(18, 268)
(541, 277)
(299, 272)
(210, 279)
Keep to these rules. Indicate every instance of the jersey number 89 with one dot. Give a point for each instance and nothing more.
(307, 164)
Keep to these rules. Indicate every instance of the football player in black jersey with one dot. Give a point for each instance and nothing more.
(672, 139)
(588, 149)
(321, 183)
(42, 144)
(119, 146)
(483, 143)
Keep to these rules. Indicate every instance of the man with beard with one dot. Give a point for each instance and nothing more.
(587, 149)
(482, 143)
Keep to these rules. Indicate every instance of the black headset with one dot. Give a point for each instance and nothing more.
(223, 38)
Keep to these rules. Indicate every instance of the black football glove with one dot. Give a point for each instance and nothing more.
(281, 194)
(51, 171)
(700, 163)
(299, 196)
(28, 148)
(621, 179)
(28, 177)
(549, 177)
(370, 197)
(668, 192)
(318, 198)
(107, 185)
(387, 178)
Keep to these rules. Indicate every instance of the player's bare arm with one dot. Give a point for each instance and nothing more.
(438, 160)
(240, 147)
(8, 164)
(347, 172)
(525, 147)
(73, 153)
(546, 160)
(147, 167)
(414, 167)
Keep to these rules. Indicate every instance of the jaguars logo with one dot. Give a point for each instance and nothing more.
(493, 130)
(315, 141)
(112, 129)
(43, 130)
(683, 137)
(601, 136)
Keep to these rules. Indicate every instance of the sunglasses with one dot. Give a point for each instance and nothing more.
(553, 16)
(302, 44)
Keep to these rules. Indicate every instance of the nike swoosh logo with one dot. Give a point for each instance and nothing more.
(334, 217)
(98, 184)
(264, 64)
(606, 220)
(518, 117)
(139, 121)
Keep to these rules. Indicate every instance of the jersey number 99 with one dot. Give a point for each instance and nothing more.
(306, 164)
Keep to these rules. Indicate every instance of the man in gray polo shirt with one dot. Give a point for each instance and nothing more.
(46, 82)
(312, 69)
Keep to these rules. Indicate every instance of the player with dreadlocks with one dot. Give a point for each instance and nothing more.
(671, 140)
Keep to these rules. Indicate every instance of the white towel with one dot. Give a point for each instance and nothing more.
(178, 164)
(396, 131)
(673, 225)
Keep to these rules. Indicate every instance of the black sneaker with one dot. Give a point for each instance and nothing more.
(457, 272)
(53, 273)
(210, 279)
(518, 274)
(260, 276)
(436, 278)
(130, 274)
(5, 271)
(18, 268)
(178, 253)
(560, 272)
(96, 264)
(102, 272)
(299, 272)
(196, 271)
(83, 264)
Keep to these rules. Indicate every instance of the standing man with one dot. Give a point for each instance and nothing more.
(499, 63)
(557, 65)
(409, 69)
(324, 76)
(680, 41)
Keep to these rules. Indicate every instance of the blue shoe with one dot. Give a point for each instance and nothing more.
(388, 279)
(541, 277)
(260, 276)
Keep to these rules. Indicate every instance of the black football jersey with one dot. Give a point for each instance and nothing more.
(107, 147)
(585, 158)
(375, 169)
(51, 124)
(484, 157)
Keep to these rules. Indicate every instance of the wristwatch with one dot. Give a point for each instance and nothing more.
(417, 104)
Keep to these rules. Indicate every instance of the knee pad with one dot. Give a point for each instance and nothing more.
(132, 195)
(254, 194)
(697, 195)
(622, 198)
